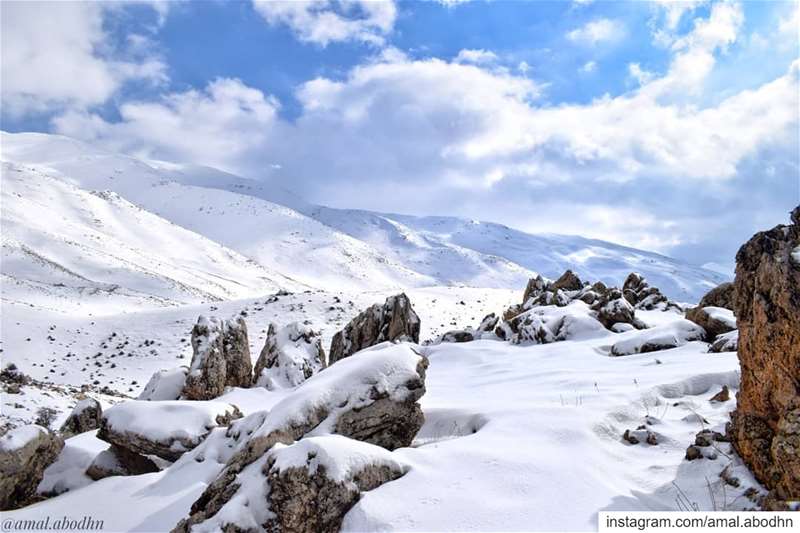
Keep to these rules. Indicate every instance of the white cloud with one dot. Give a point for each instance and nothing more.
(222, 126)
(476, 56)
(674, 10)
(57, 55)
(597, 31)
(326, 21)
(402, 134)
(694, 57)
(589, 66)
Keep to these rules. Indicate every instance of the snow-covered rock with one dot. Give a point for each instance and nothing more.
(85, 416)
(165, 385)
(166, 429)
(725, 342)
(714, 320)
(290, 356)
(663, 337)
(395, 320)
(221, 358)
(642, 295)
(25, 452)
(612, 309)
(303, 487)
(371, 396)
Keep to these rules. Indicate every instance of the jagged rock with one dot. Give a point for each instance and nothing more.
(721, 396)
(556, 297)
(371, 396)
(612, 309)
(221, 358)
(767, 306)
(308, 486)
(536, 286)
(25, 452)
(488, 323)
(727, 342)
(165, 385)
(165, 429)
(719, 296)
(85, 416)
(290, 356)
(395, 320)
(119, 461)
(512, 311)
(642, 295)
(714, 320)
(568, 282)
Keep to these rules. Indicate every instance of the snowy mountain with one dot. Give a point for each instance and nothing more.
(322, 247)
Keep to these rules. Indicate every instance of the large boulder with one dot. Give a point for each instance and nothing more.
(25, 452)
(714, 320)
(395, 320)
(371, 397)
(290, 356)
(662, 337)
(166, 429)
(535, 287)
(719, 296)
(766, 424)
(306, 487)
(221, 358)
(85, 416)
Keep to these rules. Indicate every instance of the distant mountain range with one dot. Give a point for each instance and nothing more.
(79, 218)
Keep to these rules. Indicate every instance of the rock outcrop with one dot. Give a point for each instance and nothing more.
(25, 452)
(221, 358)
(765, 427)
(395, 320)
(642, 295)
(85, 416)
(612, 309)
(290, 356)
(370, 397)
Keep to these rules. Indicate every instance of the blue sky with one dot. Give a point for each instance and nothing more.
(671, 126)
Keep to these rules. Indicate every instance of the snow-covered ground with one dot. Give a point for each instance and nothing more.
(108, 261)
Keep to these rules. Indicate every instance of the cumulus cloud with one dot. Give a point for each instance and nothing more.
(223, 125)
(644, 168)
(602, 30)
(326, 21)
(57, 55)
(589, 66)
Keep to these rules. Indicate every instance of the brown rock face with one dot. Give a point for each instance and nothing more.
(766, 424)
(395, 320)
(221, 358)
(24, 454)
(568, 282)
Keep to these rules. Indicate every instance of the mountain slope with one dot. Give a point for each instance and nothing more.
(65, 247)
(341, 248)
